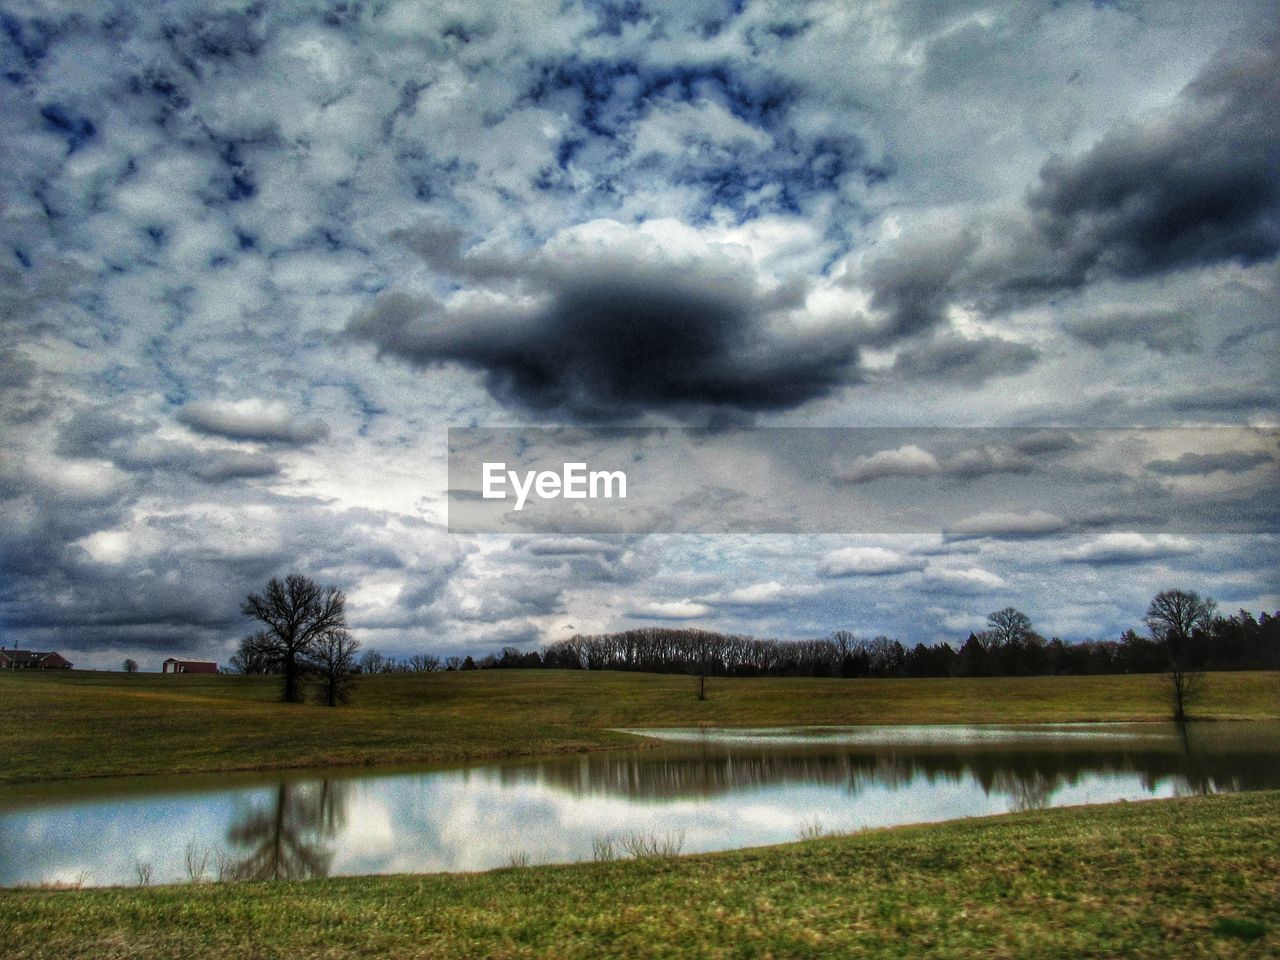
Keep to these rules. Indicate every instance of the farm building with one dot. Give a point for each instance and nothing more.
(174, 665)
(31, 660)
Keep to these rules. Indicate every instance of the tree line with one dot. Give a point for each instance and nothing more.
(305, 639)
(1009, 647)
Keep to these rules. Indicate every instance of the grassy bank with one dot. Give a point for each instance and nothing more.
(63, 725)
(1173, 878)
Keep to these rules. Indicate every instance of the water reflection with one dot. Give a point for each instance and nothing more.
(287, 838)
(719, 789)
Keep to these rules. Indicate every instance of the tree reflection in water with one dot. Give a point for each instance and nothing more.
(1201, 760)
(287, 837)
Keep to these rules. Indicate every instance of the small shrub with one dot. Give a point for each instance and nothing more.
(810, 829)
(518, 858)
(197, 861)
(603, 849)
(647, 845)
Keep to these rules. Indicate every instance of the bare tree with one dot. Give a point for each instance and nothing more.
(371, 661)
(1009, 625)
(297, 612)
(1174, 615)
(131, 665)
(334, 658)
(423, 663)
(257, 654)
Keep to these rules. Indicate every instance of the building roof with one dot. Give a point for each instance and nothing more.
(185, 660)
(27, 656)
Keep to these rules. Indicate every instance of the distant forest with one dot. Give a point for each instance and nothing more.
(1011, 647)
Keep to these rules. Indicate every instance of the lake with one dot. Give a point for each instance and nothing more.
(698, 790)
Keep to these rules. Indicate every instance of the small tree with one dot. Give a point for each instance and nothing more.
(334, 661)
(1172, 618)
(297, 613)
(130, 665)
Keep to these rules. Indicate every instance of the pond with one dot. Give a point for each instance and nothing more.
(698, 790)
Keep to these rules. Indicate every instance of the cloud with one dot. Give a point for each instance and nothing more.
(867, 562)
(1192, 185)
(912, 284)
(251, 419)
(910, 460)
(669, 610)
(1117, 548)
(957, 359)
(1201, 464)
(133, 445)
(755, 232)
(1164, 332)
(1033, 523)
(771, 593)
(964, 579)
(573, 547)
(234, 464)
(611, 322)
(1197, 186)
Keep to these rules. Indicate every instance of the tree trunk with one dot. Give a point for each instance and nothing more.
(292, 693)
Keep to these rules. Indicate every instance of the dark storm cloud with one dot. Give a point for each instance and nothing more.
(955, 359)
(1201, 464)
(1200, 188)
(1195, 186)
(251, 421)
(912, 285)
(614, 340)
(1164, 332)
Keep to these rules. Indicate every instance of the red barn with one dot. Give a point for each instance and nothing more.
(31, 660)
(174, 665)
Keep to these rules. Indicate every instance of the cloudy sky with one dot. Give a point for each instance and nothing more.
(259, 258)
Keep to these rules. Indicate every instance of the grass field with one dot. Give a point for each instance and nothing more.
(1171, 878)
(81, 724)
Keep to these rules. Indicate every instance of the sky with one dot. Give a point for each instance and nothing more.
(257, 259)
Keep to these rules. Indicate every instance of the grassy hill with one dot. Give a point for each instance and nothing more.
(56, 725)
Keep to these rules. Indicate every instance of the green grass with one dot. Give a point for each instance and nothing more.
(82, 724)
(1172, 878)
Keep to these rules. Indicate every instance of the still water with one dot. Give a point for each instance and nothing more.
(699, 790)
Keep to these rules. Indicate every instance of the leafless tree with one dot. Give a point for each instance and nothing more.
(297, 613)
(423, 663)
(1009, 625)
(130, 665)
(1172, 618)
(334, 660)
(256, 654)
